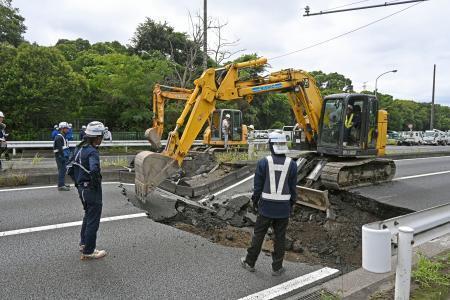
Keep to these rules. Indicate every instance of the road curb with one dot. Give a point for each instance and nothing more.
(417, 155)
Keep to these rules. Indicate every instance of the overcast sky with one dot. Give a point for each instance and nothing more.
(411, 41)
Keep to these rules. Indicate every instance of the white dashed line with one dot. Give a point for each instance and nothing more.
(420, 175)
(69, 224)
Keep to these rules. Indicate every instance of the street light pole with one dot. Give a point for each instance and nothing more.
(376, 80)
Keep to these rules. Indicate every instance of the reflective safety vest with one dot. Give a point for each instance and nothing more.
(348, 121)
(65, 146)
(271, 192)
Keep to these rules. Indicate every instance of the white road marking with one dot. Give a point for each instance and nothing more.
(420, 175)
(420, 158)
(292, 285)
(233, 185)
(69, 224)
(44, 187)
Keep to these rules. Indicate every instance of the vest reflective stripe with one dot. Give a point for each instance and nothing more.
(66, 143)
(277, 193)
(348, 121)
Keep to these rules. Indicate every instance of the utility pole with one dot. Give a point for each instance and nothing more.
(205, 38)
(432, 99)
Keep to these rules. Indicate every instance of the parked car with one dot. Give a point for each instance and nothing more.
(288, 131)
(413, 138)
(434, 137)
(392, 137)
(261, 134)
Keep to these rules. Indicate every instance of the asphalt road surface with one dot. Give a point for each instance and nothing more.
(419, 184)
(146, 260)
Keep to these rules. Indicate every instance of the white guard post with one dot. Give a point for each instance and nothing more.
(404, 259)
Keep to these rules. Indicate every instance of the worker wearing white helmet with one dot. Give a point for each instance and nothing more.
(55, 132)
(88, 179)
(3, 135)
(226, 126)
(62, 153)
(82, 132)
(273, 198)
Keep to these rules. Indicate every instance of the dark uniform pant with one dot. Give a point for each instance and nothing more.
(91, 198)
(279, 228)
(61, 164)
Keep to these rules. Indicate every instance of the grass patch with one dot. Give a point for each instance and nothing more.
(231, 156)
(114, 162)
(37, 159)
(430, 273)
(13, 180)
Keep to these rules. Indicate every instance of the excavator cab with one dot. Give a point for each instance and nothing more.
(348, 125)
(214, 134)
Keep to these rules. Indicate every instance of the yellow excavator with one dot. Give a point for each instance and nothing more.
(213, 134)
(346, 155)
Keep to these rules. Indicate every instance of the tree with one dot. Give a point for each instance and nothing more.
(38, 89)
(121, 87)
(12, 27)
(184, 51)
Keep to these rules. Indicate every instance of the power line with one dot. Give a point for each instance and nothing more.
(345, 5)
(343, 34)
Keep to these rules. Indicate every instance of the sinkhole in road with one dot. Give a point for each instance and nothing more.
(227, 219)
(311, 237)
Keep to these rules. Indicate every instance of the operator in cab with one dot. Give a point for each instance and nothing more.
(62, 152)
(226, 129)
(348, 125)
(88, 179)
(273, 199)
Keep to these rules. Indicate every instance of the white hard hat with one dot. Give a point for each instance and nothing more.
(56, 126)
(63, 125)
(83, 127)
(279, 142)
(227, 116)
(70, 125)
(1, 115)
(95, 129)
(251, 127)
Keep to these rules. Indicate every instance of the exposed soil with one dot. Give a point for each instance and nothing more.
(311, 237)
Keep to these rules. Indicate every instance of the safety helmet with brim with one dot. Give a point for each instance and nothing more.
(63, 125)
(278, 142)
(227, 116)
(95, 129)
(2, 115)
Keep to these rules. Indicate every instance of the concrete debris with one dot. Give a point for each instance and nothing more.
(297, 246)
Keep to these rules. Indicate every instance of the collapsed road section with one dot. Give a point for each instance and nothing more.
(212, 199)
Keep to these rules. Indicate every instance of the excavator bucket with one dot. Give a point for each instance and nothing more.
(151, 169)
(153, 137)
(313, 198)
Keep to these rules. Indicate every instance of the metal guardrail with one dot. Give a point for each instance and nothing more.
(380, 238)
(49, 144)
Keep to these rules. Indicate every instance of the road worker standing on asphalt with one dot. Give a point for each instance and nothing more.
(273, 199)
(88, 179)
(62, 152)
(3, 135)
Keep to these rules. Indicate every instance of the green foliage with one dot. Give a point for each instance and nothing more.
(332, 83)
(38, 88)
(11, 24)
(121, 88)
(430, 273)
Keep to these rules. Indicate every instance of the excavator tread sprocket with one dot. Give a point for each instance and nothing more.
(345, 175)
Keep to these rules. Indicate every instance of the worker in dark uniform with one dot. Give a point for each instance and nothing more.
(88, 180)
(273, 199)
(3, 135)
(61, 150)
(82, 132)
